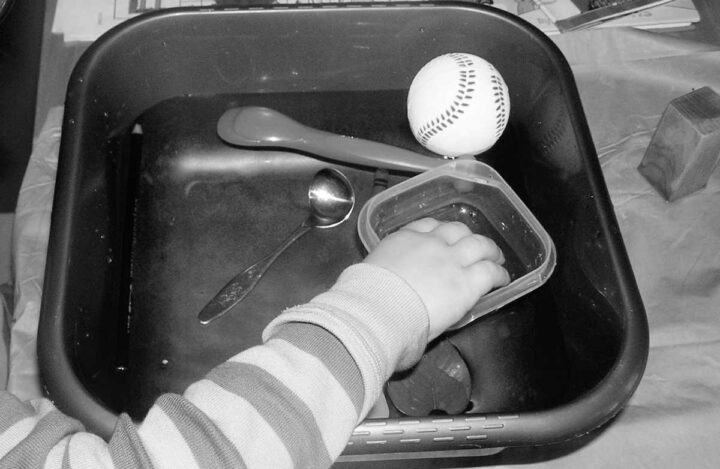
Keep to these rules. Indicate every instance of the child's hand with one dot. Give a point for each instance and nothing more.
(449, 267)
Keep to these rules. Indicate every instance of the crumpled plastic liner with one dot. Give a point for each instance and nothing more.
(4, 341)
(30, 240)
(626, 79)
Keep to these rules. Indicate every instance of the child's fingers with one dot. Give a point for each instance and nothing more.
(451, 232)
(423, 225)
(475, 248)
(487, 275)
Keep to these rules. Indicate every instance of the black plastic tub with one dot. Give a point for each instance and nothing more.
(153, 213)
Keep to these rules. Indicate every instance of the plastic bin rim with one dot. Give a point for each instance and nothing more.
(56, 366)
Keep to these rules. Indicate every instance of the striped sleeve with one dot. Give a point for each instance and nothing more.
(378, 317)
(291, 402)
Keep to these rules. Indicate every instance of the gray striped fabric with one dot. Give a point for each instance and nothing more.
(289, 417)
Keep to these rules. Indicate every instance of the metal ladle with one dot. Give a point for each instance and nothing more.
(331, 199)
(254, 126)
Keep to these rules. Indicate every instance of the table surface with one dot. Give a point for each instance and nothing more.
(58, 59)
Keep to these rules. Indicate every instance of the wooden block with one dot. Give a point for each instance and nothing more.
(685, 147)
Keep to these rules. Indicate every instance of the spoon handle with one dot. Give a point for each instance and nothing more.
(242, 284)
(367, 152)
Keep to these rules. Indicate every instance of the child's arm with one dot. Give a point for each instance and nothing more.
(296, 399)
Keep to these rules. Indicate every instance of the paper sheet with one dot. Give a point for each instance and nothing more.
(678, 13)
(594, 12)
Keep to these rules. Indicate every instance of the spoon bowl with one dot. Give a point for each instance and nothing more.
(331, 199)
(258, 126)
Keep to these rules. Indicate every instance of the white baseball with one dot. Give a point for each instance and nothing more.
(458, 104)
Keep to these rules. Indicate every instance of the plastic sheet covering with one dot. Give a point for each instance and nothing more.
(4, 341)
(30, 240)
(626, 78)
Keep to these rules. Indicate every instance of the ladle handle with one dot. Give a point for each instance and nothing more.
(242, 284)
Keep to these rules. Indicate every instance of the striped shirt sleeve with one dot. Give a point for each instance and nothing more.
(291, 402)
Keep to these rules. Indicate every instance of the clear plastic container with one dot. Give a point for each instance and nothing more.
(473, 193)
